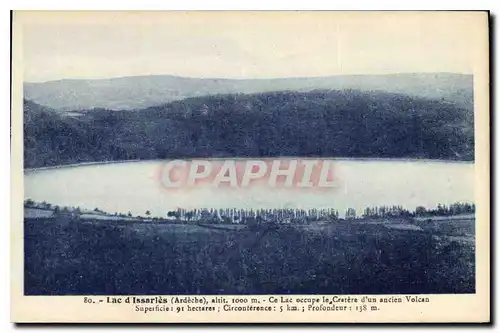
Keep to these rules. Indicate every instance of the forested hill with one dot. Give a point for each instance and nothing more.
(315, 124)
(138, 92)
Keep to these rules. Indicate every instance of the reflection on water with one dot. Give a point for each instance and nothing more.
(137, 187)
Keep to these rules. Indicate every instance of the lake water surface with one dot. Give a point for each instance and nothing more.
(136, 187)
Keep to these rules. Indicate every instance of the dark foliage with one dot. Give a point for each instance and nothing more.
(313, 124)
(75, 258)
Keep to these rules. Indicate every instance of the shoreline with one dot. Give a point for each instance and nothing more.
(361, 159)
(82, 164)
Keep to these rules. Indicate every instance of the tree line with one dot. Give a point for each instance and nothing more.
(236, 215)
(305, 124)
(297, 215)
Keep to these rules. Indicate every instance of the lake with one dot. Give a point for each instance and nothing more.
(138, 186)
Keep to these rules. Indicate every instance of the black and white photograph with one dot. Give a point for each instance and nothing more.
(276, 154)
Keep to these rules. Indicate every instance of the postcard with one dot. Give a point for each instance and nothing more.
(250, 167)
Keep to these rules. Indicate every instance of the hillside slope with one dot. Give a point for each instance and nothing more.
(313, 124)
(139, 92)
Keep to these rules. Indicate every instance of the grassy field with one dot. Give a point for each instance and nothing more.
(70, 258)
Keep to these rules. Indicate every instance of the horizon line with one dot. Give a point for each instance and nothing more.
(239, 78)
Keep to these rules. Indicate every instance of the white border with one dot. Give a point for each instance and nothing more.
(6, 5)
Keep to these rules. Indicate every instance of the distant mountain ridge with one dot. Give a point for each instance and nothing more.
(139, 92)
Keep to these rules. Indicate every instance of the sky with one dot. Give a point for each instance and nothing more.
(57, 45)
